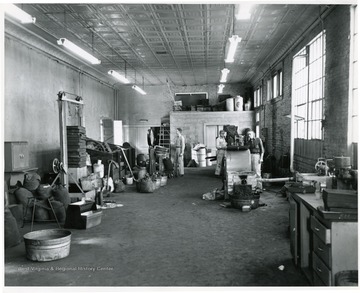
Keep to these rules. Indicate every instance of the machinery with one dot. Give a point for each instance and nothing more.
(322, 167)
(346, 177)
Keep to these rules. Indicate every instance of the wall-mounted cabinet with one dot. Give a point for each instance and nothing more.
(16, 156)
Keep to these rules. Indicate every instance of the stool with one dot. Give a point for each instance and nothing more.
(34, 201)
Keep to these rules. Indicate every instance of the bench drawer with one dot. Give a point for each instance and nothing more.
(320, 230)
(322, 250)
(321, 270)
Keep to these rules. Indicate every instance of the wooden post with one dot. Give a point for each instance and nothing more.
(63, 106)
(63, 141)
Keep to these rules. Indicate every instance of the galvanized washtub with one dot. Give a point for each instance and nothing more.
(47, 245)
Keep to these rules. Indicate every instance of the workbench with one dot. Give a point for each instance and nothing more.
(322, 243)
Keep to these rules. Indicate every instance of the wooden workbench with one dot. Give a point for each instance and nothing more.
(322, 243)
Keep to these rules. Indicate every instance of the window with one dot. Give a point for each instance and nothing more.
(257, 122)
(354, 111)
(277, 84)
(268, 90)
(308, 88)
(257, 97)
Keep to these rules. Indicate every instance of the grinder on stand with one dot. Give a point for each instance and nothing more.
(346, 177)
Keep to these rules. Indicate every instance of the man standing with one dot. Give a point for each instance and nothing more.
(179, 154)
(220, 153)
(257, 150)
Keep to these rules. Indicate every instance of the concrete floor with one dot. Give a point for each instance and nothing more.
(170, 238)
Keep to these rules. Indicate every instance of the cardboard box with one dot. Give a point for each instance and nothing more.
(76, 174)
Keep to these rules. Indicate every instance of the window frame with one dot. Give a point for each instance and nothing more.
(268, 89)
(258, 97)
(308, 94)
(277, 83)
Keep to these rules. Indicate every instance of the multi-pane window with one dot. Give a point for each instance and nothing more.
(257, 124)
(354, 76)
(257, 97)
(277, 84)
(268, 90)
(308, 88)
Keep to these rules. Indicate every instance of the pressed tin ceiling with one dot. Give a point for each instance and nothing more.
(180, 44)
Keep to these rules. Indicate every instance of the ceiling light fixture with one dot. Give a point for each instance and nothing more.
(118, 76)
(139, 89)
(78, 51)
(234, 40)
(224, 74)
(221, 87)
(19, 14)
(244, 11)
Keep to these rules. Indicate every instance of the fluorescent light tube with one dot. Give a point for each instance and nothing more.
(224, 74)
(140, 90)
(234, 40)
(243, 11)
(118, 76)
(78, 51)
(19, 14)
(221, 87)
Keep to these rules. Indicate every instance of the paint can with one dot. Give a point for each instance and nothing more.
(230, 104)
(129, 180)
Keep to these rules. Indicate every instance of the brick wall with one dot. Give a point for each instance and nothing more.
(193, 125)
(337, 82)
(274, 112)
(193, 122)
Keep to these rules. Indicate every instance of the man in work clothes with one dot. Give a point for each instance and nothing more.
(179, 154)
(220, 153)
(257, 150)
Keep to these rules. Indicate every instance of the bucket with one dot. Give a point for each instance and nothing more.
(238, 103)
(239, 203)
(47, 245)
(157, 183)
(347, 278)
(201, 154)
(163, 180)
(129, 180)
(230, 104)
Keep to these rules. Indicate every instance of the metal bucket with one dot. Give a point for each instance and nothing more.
(163, 180)
(239, 203)
(157, 183)
(47, 245)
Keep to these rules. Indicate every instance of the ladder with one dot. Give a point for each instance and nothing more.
(164, 136)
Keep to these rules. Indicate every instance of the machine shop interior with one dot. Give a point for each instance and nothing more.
(179, 146)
